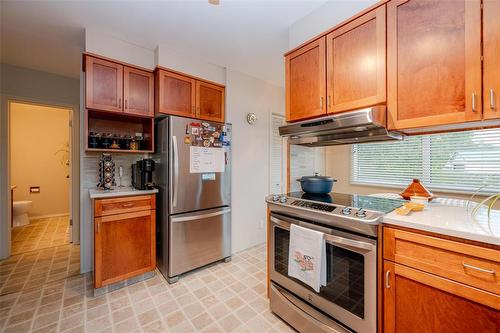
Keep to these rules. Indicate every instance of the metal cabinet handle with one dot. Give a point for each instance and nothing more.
(176, 170)
(387, 281)
(127, 205)
(489, 271)
(328, 101)
(492, 99)
(119, 102)
(98, 226)
(474, 102)
(126, 107)
(321, 102)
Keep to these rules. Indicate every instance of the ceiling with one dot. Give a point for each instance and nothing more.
(247, 36)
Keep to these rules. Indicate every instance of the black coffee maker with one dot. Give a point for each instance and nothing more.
(142, 174)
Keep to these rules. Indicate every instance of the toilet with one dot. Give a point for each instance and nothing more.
(20, 213)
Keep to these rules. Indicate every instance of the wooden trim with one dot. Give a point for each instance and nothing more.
(389, 311)
(123, 216)
(363, 12)
(151, 87)
(392, 66)
(95, 55)
(473, 63)
(441, 236)
(223, 100)
(466, 249)
(452, 287)
(173, 71)
(380, 280)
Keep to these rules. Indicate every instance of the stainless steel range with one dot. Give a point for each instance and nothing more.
(348, 302)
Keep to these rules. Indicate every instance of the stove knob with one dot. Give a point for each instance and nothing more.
(361, 213)
(283, 199)
(346, 211)
(276, 197)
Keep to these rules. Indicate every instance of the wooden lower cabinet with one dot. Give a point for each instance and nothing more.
(418, 297)
(416, 301)
(124, 245)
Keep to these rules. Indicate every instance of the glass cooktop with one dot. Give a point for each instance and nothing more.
(349, 200)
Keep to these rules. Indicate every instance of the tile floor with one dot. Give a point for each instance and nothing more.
(35, 268)
(40, 234)
(226, 297)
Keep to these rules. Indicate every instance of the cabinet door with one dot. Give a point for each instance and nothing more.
(103, 85)
(491, 63)
(124, 246)
(138, 92)
(209, 101)
(305, 81)
(419, 302)
(175, 94)
(433, 62)
(356, 63)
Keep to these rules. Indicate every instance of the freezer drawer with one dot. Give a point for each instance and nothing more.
(198, 238)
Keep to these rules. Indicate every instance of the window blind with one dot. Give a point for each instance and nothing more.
(461, 161)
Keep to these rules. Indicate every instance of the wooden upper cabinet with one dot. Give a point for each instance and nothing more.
(305, 80)
(491, 62)
(175, 94)
(356, 71)
(138, 92)
(209, 101)
(418, 302)
(103, 85)
(433, 62)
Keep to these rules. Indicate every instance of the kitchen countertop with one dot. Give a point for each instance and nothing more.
(118, 192)
(451, 220)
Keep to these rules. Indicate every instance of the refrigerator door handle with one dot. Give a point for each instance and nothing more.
(201, 216)
(176, 170)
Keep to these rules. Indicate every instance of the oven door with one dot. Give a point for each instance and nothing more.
(350, 296)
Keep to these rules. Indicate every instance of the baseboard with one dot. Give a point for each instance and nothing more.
(37, 217)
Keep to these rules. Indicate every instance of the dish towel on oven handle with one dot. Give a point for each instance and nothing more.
(307, 256)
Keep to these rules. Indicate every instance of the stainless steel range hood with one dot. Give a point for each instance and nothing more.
(365, 125)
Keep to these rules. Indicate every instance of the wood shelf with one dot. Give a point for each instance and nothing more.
(125, 151)
(115, 123)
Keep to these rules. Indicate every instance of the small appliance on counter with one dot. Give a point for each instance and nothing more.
(106, 172)
(142, 174)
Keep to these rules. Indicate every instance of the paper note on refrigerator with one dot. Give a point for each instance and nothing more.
(204, 159)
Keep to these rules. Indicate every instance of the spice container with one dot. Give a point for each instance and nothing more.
(106, 140)
(94, 139)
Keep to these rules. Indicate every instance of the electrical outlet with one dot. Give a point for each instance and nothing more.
(35, 189)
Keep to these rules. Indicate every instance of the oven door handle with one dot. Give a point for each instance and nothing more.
(332, 239)
(355, 244)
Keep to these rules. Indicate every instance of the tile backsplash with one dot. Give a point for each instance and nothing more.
(90, 169)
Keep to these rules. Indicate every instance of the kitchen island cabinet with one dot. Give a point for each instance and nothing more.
(124, 236)
(436, 284)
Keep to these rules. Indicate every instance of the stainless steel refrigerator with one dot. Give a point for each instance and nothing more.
(193, 173)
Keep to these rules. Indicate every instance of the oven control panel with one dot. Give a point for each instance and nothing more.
(351, 212)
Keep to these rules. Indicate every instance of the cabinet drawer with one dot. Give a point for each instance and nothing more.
(111, 206)
(469, 264)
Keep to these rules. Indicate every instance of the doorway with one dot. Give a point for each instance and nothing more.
(40, 142)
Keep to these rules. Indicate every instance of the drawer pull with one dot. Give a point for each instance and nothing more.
(387, 282)
(489, 271)
(127, 205)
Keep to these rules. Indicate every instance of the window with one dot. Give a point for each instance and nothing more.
(461, 161)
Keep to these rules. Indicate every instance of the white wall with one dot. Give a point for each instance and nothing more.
(250, 151)
(22, 84)
(325, 17)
